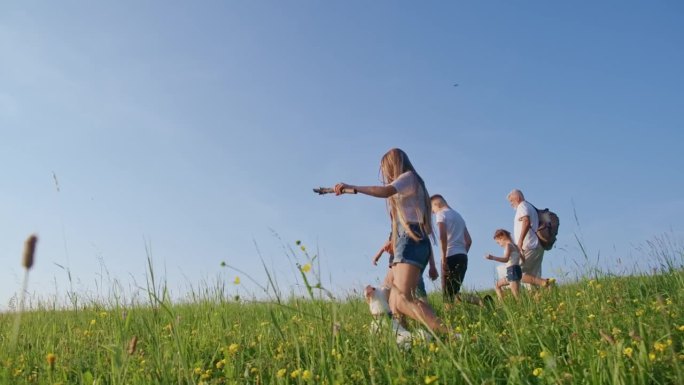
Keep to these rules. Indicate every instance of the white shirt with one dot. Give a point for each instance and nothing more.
(455, 230)
(513, 257)
(531, 241)
(408, 197)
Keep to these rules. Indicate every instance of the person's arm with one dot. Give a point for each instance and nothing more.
(504, 259)
(522, 257)
(374, 191)
(523, 233)
(378, 255)
(443, 240)
(432, 273)
(468, 240)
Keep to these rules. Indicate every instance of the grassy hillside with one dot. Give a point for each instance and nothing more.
(608, 330)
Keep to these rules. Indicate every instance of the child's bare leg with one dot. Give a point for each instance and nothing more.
(499, 284)
(515, 288)
(389, 279)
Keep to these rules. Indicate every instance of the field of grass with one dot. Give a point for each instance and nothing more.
(604, 330)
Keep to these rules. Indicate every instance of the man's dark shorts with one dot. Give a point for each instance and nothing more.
(456, 266)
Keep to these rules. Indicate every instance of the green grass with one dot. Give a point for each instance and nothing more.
(607, 330)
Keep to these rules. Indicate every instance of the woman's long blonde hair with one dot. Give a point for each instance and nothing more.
(394, 163)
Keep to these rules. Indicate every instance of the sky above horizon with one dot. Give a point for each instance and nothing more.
(194, 134)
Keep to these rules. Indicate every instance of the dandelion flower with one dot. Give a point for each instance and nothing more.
(537, 372)
(51, 358)
(543, 354)
(659, 346)
(93, 322)
(236, 280)
(306, 375)
(651, 356)
(281, 373)
(430, 379)
(681, 328)
(306, 268)
(628, 351)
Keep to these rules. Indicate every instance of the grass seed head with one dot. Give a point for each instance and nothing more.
(132, 345)
(29, 251)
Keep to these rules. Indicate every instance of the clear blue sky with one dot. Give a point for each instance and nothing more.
(199, 129)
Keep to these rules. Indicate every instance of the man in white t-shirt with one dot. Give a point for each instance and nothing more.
(454, 242)
(525, 227)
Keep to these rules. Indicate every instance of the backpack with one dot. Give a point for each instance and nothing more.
(548, 228)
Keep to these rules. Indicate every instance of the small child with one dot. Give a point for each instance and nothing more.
(512, 257)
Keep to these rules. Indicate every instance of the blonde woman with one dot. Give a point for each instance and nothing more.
(408, 203)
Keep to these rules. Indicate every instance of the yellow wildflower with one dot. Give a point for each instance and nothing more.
(197, 371)
(51, 358)
(281, 373)
(430, 379)
(628, 351)
(236, 281)
(681, 328)
(602, 353)
(652, 356)
(233, 348)
(659, 346)
(543, 354)
(639, 313)
(295, 373)
(93, 322)
(306, 268)
(306, 375)
(537, 372)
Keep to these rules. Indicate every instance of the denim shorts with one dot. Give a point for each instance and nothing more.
(513, 273)
(406, 250)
